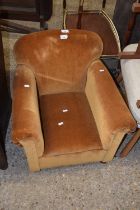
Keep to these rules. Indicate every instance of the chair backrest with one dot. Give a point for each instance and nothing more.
(59, 62)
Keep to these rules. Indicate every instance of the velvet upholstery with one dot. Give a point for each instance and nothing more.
(71, 123)
(66, 107)
(26, 118)
(54, 61)
(108, 108)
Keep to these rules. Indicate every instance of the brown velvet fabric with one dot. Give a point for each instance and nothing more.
(25, 112)
(48, 161)
(109, 109)
(66, 74)
(99, 24)
(59, 65)
(68, 124)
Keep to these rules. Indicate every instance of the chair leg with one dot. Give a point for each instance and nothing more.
(131, 143)
(43, 24)
(103, 4)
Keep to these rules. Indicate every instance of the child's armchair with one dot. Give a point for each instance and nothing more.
(66, 107)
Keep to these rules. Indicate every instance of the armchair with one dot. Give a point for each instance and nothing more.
(66, 107)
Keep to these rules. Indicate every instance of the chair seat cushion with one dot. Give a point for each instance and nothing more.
(68, 124)
(131, 76)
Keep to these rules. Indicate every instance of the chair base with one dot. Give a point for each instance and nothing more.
(48, 161)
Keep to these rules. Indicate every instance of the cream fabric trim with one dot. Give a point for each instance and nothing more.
(131, 76)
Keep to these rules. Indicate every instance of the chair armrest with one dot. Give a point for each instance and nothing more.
(25, 111)
(108, 107)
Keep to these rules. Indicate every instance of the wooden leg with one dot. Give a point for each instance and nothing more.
(103, 4)
(131, 143)
(43, 24)
(42, 13)
(3, 158)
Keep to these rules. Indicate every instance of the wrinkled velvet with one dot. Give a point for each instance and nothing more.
(59, 65)
(109, 110)
(63, 71)
(69, 117)
(25, 112)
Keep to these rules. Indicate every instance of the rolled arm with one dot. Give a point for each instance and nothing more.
(108, 107)
(25, 112)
